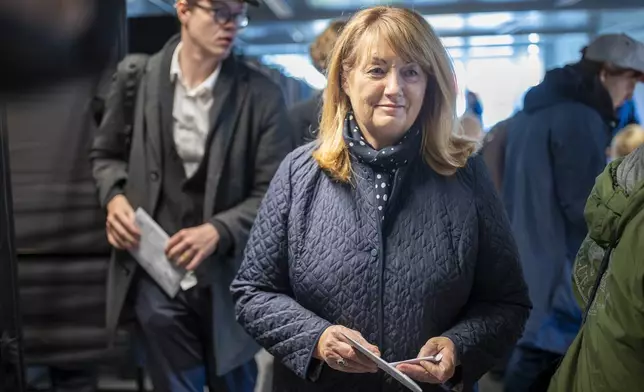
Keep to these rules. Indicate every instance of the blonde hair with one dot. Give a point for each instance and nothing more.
(414, 40)
(627, 140)
(323, 45)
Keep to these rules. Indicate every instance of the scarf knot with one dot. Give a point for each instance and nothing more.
(385, 161)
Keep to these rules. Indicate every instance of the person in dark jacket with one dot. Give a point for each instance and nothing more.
(386, 229)
(305, 115)
(493, 152)
(556, 148)
(209, 134)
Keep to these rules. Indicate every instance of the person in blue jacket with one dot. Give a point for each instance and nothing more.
(556, 147)
(386, 230)
(627, 114)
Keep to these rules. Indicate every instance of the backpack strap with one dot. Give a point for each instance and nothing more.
(131, 71)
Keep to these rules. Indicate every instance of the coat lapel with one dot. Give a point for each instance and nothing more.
(222, 92)
(152, 111)
(229, 94)
(159, 99)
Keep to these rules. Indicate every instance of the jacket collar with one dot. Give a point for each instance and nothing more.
(160, 93)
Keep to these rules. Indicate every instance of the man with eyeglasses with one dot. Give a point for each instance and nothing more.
(208, 134)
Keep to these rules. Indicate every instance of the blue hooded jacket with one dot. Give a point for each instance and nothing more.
(556, 148)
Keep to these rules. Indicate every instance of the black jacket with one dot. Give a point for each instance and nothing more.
(305, 119)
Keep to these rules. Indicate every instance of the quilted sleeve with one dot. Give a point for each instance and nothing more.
(499, 304)
(585, 270)
(264, 302)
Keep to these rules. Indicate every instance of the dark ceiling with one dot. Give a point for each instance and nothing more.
(287, 26)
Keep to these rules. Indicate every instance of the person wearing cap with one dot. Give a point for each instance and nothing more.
(556, 147)
(209, 133)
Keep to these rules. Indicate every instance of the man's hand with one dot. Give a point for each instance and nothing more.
(189, 247)
(433, 373)
(122, 232)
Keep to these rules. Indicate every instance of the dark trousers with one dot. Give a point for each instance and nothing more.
(177, 339)
(525, 366)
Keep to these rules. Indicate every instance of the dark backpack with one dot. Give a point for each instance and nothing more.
(131, 71)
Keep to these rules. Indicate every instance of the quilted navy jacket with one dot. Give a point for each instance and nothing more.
(443, 264)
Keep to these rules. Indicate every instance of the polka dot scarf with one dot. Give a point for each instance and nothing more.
(384, 162)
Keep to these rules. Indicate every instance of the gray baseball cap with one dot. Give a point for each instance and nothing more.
(618, 49)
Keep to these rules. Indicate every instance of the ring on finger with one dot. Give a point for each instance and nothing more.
(184, 257)
(341, 362)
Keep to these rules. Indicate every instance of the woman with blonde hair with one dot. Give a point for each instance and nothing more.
(385, 230)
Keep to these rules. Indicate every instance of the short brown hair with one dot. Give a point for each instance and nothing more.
(321, 48)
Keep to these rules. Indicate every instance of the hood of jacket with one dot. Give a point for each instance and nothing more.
(571, 84)
(617, 197)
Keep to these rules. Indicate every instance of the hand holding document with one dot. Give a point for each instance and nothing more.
(151, 254)
(387, 367)
(413, 361)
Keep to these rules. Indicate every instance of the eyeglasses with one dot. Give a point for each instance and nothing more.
(223, 15)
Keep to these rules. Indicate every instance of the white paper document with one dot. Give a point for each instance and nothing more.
(392, 371)
(151, 254)
(432, 358)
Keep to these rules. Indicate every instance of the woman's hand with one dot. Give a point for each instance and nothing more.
(433, 373)
(334, 349)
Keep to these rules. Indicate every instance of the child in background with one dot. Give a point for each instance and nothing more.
(626, 141)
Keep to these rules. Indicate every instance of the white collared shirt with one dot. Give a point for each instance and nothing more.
(191, 124)
(191, 115)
